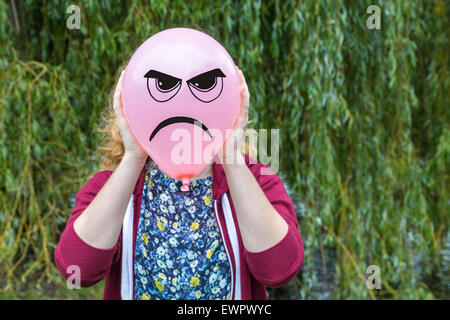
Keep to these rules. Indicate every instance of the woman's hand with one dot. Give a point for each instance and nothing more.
(132, 148)
(260, 224)
(233, 143)
(100, 223)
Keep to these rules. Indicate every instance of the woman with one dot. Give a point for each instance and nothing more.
(231, 235)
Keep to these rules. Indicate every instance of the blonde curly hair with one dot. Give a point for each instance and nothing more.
(111, 145)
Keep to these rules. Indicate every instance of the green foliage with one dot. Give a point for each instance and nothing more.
(363, 117)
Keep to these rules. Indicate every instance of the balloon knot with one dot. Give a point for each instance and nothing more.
(185, 186)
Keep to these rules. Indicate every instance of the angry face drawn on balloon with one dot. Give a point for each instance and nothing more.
(181, 94)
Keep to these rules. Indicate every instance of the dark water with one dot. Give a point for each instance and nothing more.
(439, 278)
(320, 288)
(324, 268)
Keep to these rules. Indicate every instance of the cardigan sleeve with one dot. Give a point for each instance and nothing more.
(277, 265)
(93, 263)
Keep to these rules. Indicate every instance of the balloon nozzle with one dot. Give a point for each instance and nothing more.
(185, 186)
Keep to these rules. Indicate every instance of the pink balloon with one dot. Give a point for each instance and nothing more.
(181, 94)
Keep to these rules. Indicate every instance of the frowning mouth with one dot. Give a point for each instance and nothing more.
(173, 120)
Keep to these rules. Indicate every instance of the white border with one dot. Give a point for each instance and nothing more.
(126, 287)
(232, 234)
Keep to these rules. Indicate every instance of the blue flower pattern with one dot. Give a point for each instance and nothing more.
(179, 250)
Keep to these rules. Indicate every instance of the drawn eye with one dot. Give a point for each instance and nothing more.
(207, 86)
(162, 87)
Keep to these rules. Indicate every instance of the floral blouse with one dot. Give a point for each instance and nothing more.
(179, 251)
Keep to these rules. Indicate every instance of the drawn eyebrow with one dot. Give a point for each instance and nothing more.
(215, 73)
(157, 74)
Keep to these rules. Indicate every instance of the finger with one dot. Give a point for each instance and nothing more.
(245, 110)
(243, 117)
(244, 88)
(241, 77)
(120, 82)
(118, 92)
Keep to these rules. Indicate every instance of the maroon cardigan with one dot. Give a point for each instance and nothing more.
(273, 267)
